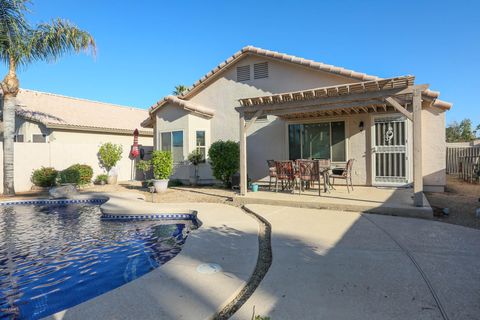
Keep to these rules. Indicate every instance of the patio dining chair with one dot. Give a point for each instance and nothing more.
(345, 174)
(309, 172)
(285, 172)
(272, 172)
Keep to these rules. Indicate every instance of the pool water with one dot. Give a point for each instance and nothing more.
(57, 256)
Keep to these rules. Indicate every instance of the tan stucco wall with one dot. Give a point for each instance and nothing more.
(66, 149)
(433, 149)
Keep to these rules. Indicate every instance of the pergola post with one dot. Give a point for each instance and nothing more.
(243, 155)
(417, 149)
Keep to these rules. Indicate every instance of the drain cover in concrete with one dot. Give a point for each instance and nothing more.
(209, 268)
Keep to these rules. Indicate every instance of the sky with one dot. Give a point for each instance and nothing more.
(145, 48)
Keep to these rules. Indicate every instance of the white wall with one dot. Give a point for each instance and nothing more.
(31, 156)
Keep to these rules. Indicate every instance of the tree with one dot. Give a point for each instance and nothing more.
(21, 45)
(180, 90)
(460, 132)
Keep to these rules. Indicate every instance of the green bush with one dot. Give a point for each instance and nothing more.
(100, 178)
(224, 159)
(195, 157)
(78, 173)
(44, 177)
(162, 163)
(109, 154)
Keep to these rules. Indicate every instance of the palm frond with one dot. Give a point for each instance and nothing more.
(180, 90)
(14, 29)
(49, 41)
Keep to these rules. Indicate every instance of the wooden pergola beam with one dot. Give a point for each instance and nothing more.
(394, 103)
(290, 104)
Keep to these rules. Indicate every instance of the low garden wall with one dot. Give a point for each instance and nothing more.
(31, 156)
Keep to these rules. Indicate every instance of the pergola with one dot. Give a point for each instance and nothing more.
(393, 94)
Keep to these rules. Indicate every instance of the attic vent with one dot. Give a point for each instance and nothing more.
(260, 70)
(243, 73)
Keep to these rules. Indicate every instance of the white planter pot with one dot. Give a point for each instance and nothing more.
(112, 179)
(160, 185)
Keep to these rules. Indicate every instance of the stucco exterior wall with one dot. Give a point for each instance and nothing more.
(433, 149)
(29, 128)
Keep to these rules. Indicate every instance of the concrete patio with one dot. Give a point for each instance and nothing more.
(389, 201)
(328, 265)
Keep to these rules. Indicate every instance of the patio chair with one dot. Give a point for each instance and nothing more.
(309, 172)
(285, 171)
(345, 174)
(272, 172)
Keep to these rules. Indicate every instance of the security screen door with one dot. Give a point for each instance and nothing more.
(390, 158)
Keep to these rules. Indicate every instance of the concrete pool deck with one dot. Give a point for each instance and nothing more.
(176, 290)
(347, 265)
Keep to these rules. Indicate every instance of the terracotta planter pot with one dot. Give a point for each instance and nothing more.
(160, 185)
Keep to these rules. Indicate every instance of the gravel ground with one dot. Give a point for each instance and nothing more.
(461, 198)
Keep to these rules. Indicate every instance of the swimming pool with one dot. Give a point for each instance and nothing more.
(55, 256)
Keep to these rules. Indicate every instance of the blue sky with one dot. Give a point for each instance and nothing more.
(145, 48)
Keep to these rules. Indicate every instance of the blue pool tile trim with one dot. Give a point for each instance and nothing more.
(49, 201)
(153, 216)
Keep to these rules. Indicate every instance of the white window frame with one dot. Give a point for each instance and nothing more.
(204, 146)
(159, 138)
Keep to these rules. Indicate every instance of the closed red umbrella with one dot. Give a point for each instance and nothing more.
(135, 152)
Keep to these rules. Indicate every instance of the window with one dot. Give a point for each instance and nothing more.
(324, 140)
(39, 138)
(243, 73)
(200, 143)
(19, 138)
(260, 70)
(173, 142)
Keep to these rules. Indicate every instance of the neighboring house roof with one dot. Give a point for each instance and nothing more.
(68, 113)
(319, 66)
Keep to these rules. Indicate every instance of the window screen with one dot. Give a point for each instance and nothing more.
(177, 146)
(166, 141)
(201, 143)
(19, 138)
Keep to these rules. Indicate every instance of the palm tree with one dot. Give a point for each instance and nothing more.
(180, 90)
(20, 45)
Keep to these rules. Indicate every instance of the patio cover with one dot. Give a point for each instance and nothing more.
(399, 93)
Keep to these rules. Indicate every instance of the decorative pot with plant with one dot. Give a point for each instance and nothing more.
(144, 166)
(109, 155)
(162, 163)
(195, 158)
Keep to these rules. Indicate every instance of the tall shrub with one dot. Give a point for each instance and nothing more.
(224, 159)
(162, 163)
(109, 155)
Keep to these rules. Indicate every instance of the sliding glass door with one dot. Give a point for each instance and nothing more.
(323, 140)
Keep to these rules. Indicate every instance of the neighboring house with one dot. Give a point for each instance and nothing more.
(55, 130)
(377, 136)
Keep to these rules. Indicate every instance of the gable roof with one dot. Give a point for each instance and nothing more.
(68, 113)
(319, 66)
(185, 104)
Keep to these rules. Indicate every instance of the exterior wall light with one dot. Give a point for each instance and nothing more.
(361, 126)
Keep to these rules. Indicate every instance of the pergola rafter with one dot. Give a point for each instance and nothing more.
(355, 98)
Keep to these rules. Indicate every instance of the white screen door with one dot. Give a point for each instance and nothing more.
(390, 161)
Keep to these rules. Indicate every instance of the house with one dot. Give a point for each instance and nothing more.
(52, 130)
(295, 108)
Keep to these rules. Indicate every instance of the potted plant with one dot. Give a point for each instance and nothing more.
(195, 158)
(162, 163)
(144, 166)
(101, 179)
(109, 155)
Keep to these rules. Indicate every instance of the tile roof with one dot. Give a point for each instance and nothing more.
(251, 50)
(57, 111)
